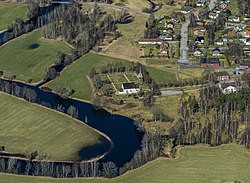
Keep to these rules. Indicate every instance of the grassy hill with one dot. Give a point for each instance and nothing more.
(75, 76)
(10, 11)
(25, 126)
(226, 163)
(29, 55)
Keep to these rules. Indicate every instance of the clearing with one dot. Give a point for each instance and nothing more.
(9, 12)
(29, 55)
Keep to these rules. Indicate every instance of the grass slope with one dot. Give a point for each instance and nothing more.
(195, 165)
(26, 63)
(25, 126)
(75, 76)
(10, 11)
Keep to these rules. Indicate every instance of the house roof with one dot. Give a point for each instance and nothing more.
(245, 63)
(228, 84)
(170, 22)
(216, 49)
(219, 40)
(198, 50)
(150, 40)
(209, 60)
(247, 32)
(221, 73)
(199, 38)
(186, 8)
(129, 86)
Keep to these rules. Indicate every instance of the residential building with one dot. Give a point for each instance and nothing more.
(200, 40)
(199, 32)
(163, 48)
(217, 52)
(150, 41)
(245, 64)
(222, 76)
(198, 53)
(213, 15)
(170, 24)
(219, 42)
(130, 88)
(230, 87)
(233, 18)
(201, 3)
(186, 9)
(209, 62)
(200, 22)
(246, 33)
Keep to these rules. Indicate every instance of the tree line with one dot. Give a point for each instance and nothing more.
(214, 118)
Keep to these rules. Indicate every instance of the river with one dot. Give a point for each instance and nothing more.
(124, 134)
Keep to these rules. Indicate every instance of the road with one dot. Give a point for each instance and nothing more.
(184, 43)
(176, 92)
(184, 36)
(212, 4)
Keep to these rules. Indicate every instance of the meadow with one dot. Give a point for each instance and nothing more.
(9, 12)
(226, 163)
(27, 127)
(29, 55)
(75, 75)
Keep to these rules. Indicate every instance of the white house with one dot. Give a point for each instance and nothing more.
(129, 88)
(201, 3)
(220, 42)
(186, 9)
(213, 15)
(198, 53)
(230, 87)
(234, 19)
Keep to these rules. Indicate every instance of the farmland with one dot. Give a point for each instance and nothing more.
(198, 164)
(28, 56)
(27, 127)
(9, 12)
(75, 76)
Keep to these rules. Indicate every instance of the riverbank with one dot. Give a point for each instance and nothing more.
(196, 164)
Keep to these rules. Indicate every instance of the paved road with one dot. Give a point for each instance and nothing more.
(184, 36)
(176, 92)
(115, 7)
(184, 43)
(212, 4)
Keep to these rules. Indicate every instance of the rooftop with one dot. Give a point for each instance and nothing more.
(129, 86)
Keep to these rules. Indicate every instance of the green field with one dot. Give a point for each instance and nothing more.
(10, 11)
(18, 58)
(28, 127)
(75, 76)
(195, 165)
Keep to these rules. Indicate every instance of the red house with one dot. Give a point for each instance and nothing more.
(209, 62)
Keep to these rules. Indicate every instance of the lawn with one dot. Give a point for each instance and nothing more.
(28, 56)
(198, 164)
(75, 76)
(126, 47)
(10, 11)
(28, 127)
